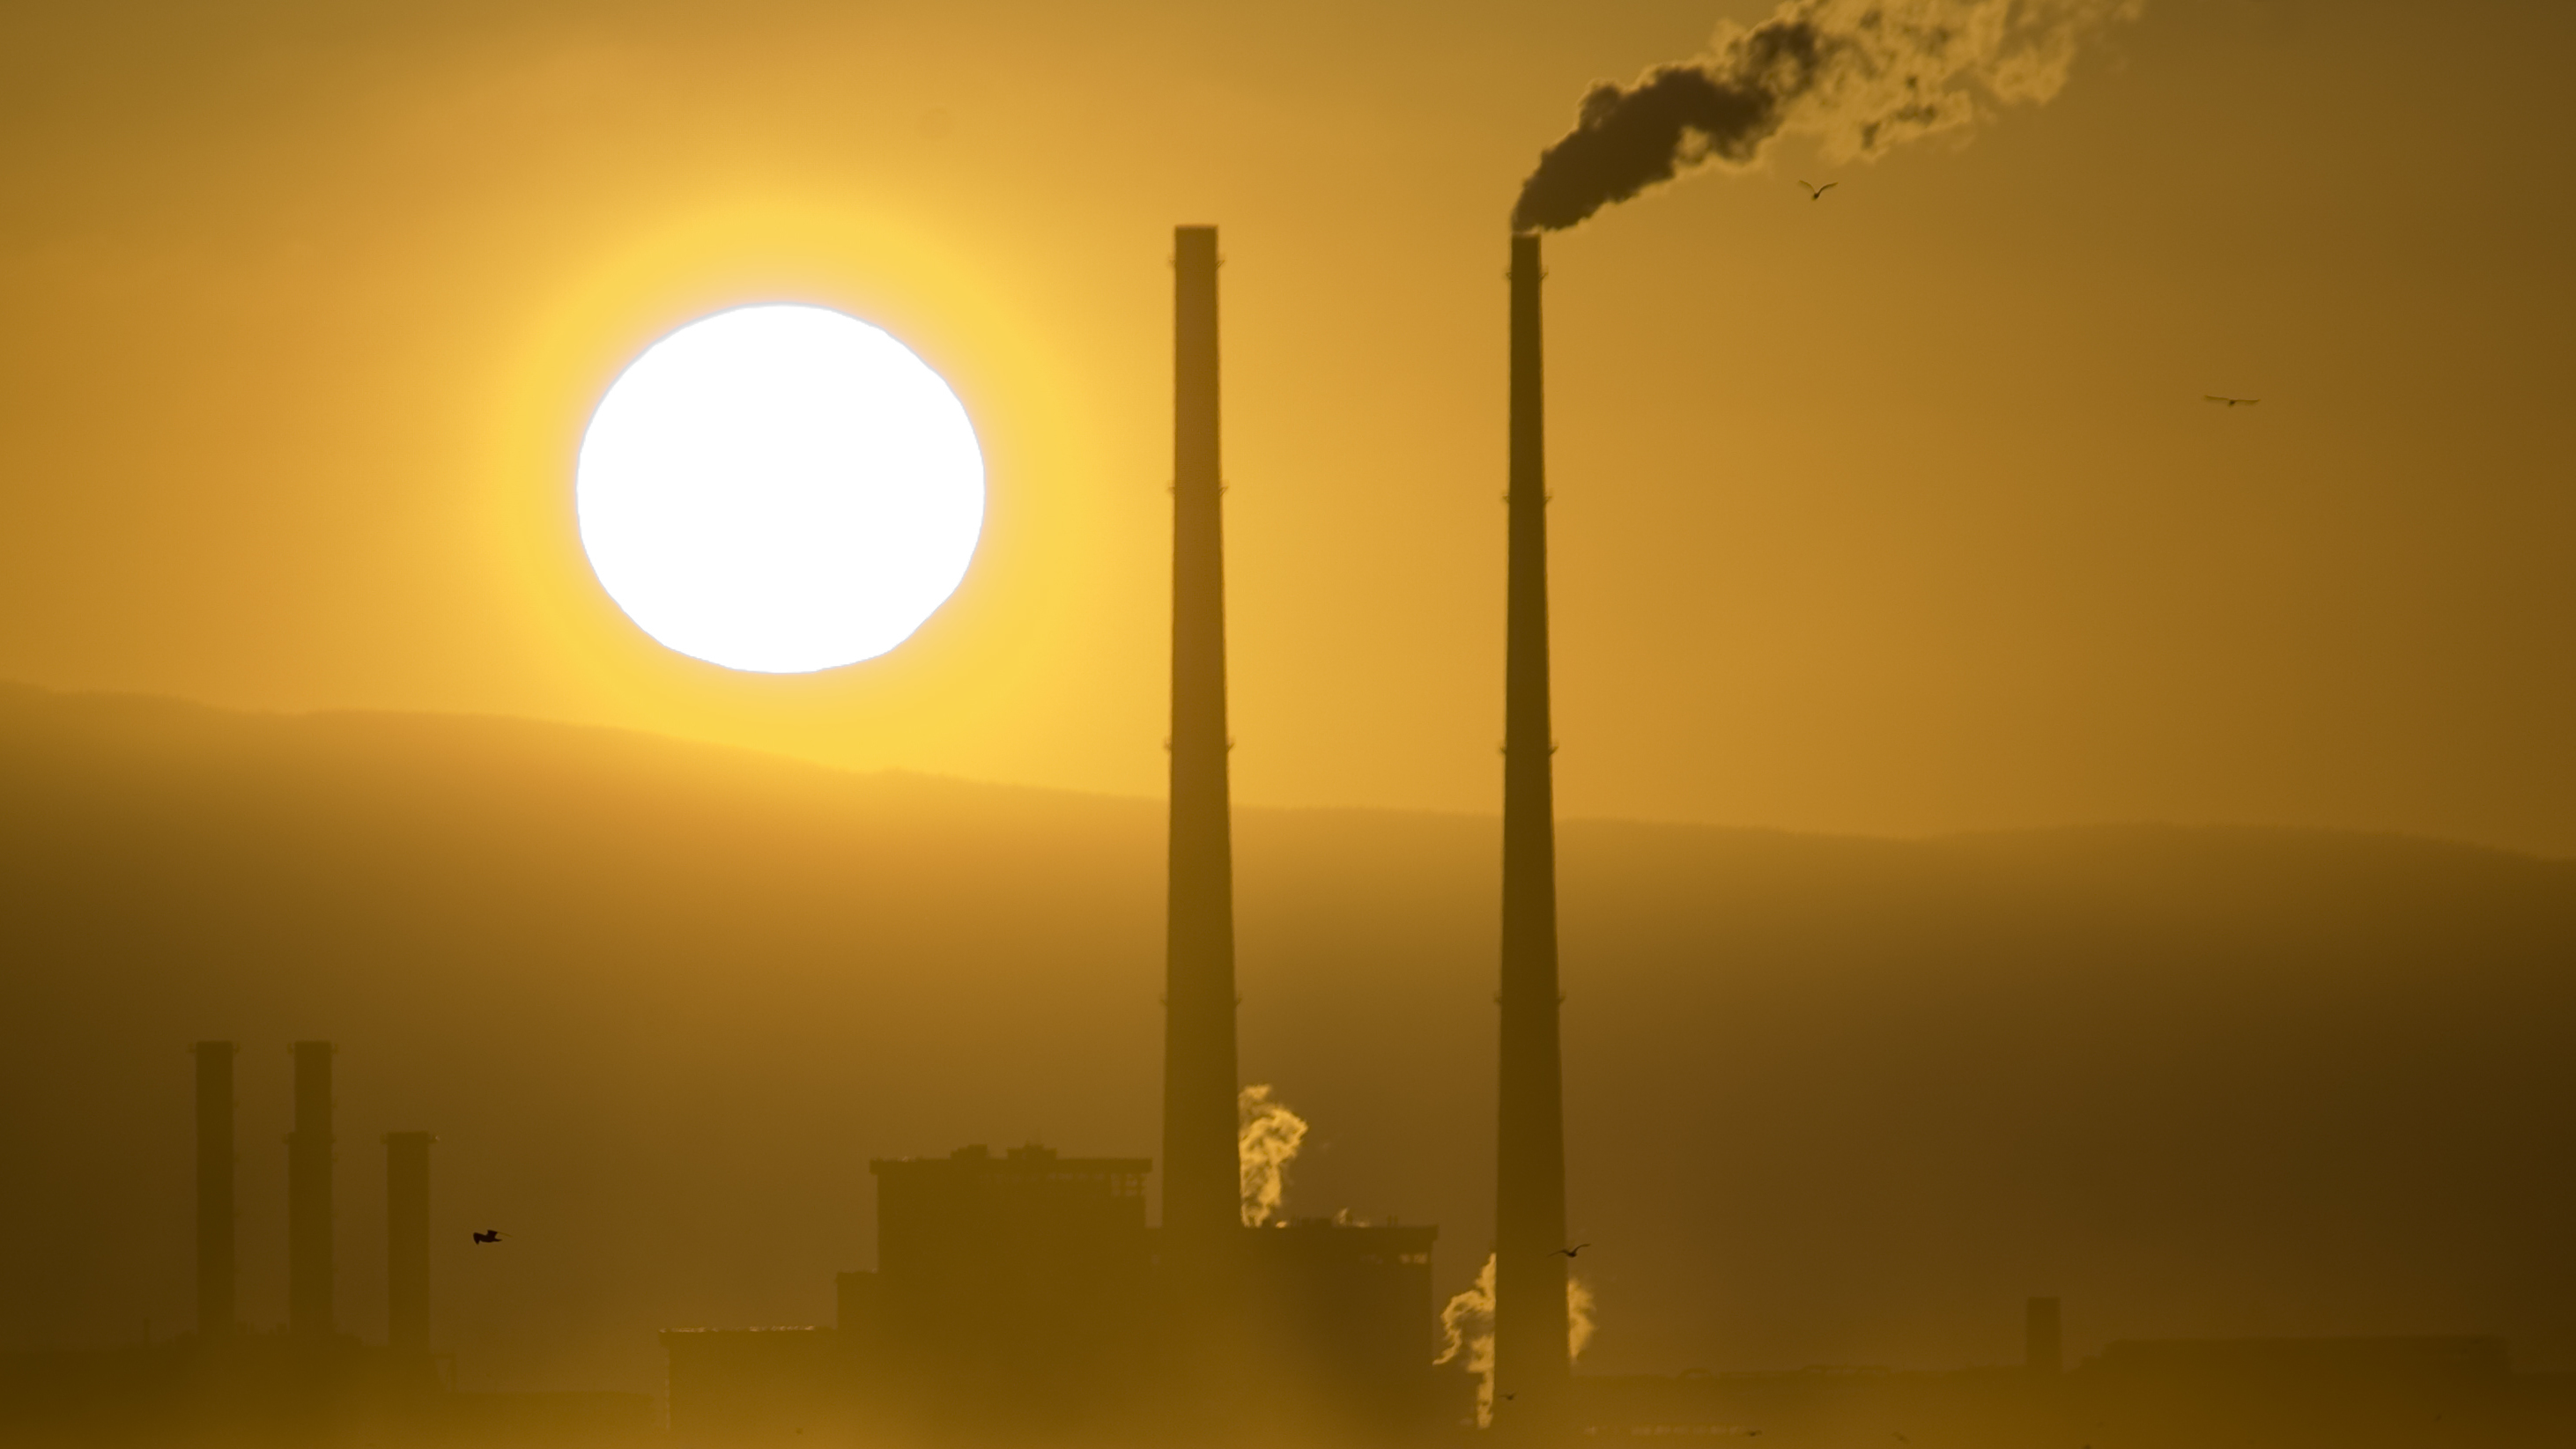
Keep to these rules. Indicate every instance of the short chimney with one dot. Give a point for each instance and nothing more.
(2044, 1351)
(214, 1187)
(308, 1194)
(407, 1241)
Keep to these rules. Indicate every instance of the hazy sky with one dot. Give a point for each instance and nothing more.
(1896, 511)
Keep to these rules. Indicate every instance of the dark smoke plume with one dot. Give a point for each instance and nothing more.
(1860, 75)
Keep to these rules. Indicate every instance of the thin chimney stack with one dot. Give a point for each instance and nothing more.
(1202, 1193)
(215, 1307)
(308, 1195)
(1532, 1361)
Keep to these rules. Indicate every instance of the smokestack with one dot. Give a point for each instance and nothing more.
(1531, 1357)
(1201, 1179)
(407, 1241)
(214, 1187)
(2043, 1353)
(308, 1194)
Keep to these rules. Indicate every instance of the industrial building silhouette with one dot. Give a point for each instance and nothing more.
(1021, 1296)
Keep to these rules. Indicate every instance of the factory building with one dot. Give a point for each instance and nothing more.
(1022, 1296)
(1013, 1288)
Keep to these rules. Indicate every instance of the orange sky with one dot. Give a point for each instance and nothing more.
(1898, 511)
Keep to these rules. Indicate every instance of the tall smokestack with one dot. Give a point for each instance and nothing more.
(308, 1194)
(1201, 1180)
(1532, 1363)
(407, 1241)
(214, 1187)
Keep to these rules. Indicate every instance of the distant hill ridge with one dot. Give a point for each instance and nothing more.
(35, 720)
(1829, 1099)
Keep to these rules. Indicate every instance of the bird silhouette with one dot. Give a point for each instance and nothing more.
(1817, 193)
(491, 1235)
(2234, 402)
(1570, 1252)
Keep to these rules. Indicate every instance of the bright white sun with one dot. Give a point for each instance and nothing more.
(780, 489)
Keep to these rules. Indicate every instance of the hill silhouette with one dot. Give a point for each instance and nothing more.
(1829, 1100)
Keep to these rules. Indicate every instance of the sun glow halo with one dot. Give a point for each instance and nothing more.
(779, 489)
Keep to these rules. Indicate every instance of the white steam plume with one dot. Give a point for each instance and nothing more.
(1860, 76)
(1467, 1326)
(1267, 1136)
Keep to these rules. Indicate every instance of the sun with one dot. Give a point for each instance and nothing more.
(779, 489)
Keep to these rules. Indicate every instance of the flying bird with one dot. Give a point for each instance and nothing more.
(492, 1235)
(1570, 1252)
(2234, 402)
(1817, 193)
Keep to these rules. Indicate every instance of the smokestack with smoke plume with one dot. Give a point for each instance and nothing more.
(1266, 1141)
(1861, 76)
(1467, 1326)
(1529, 1099)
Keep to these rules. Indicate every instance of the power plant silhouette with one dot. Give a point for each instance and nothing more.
(1208, 1328)
(1024, 1296)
